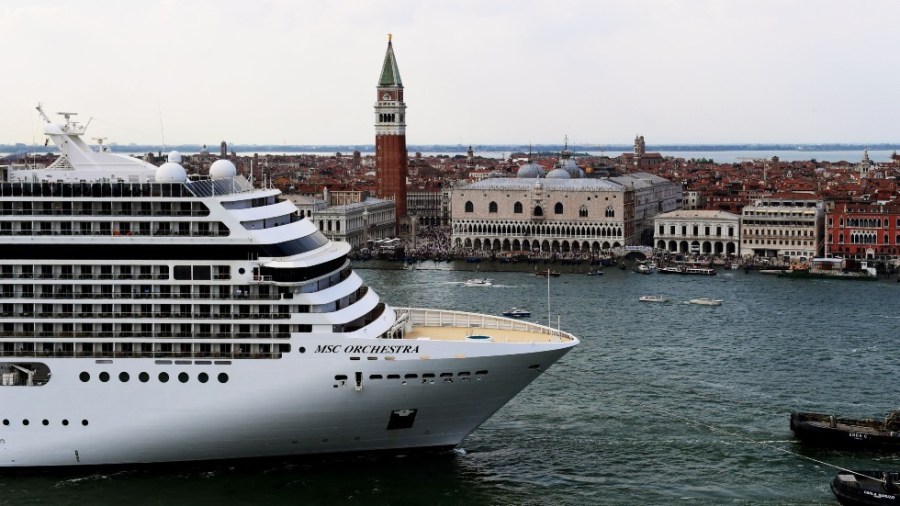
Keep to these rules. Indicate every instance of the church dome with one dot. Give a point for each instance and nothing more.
(572, 168)
(221, 169)
(204, 151)
(559, 173)
(530, 170)
(170, 172)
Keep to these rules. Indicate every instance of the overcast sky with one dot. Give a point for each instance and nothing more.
(474, 71)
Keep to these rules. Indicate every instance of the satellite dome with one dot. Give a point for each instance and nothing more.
(174, 157)
(530, 170)
(221, 169)
(171, 172)
(558, 174)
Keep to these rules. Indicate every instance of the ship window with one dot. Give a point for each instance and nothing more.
(183, 377)
(123, 377)
(481, 372)
(182, 272)
(84, 422)
(393, 376)
(340, 377)
(163, 377)
(223, 378)
(375, 376)
(144, 377)
(428, 375)
(25, 422)
(45, 422)
(65, 422)
(202, 272)
(84, 377)
(104, 376)
(411, 376)
(203, 377)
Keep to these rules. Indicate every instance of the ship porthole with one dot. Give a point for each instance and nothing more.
(123, 377)
(163, 377)
(203, 377)
(302, 349)
(45, 422)
(223, 378)
(84, 422)
(85, 377)
(5, 421)
(104, 376)
(25, 422)
(65, 422)
(183, 377)
(144, 377)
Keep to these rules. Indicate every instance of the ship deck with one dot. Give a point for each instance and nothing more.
(441, 325)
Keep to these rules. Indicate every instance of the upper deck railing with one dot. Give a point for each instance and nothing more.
(444, 318)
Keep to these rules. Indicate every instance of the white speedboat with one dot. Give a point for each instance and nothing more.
(517, 313)
(705, 301)
(479, 282)
(150, 316)
(653, 298)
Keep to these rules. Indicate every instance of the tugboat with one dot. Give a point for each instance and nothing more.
(866, 488)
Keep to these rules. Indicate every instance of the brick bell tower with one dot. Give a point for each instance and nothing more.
(390, 135)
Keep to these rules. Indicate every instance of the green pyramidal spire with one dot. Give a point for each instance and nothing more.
(390, 74)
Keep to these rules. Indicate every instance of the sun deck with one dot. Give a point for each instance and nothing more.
(441, 325)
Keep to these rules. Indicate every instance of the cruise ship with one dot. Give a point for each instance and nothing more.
(151, 317)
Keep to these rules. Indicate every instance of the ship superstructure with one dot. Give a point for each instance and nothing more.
(149, 317)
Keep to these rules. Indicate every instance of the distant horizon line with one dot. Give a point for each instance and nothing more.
(331, 148)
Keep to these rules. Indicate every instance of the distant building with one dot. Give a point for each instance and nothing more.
(428, 205)
(640, 159)
(351, 217)
(390, 135)
(561, 212)
(787, 226)
(699, 232)
(863, 230)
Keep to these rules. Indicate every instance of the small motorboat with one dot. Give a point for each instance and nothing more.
(706, 301)
(653, 298)
(848, 433)
(643, 269)
(554, 274)
(853, 488)
(596, 272)
(517, 313)
(479, 282)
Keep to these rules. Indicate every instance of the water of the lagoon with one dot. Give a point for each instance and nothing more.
(852, 156)
(660, 404)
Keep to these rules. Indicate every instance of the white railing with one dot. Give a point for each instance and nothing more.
(444, 318)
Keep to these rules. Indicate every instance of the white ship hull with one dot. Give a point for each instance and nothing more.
(306, 411)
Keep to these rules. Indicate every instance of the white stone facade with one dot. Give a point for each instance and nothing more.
(557, 215)
(788, 228)
(355, 223)
(698, 232)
